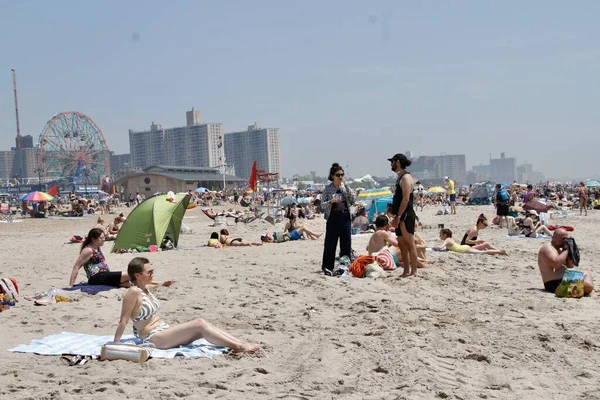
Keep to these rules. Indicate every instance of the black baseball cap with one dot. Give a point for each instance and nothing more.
(399, 157)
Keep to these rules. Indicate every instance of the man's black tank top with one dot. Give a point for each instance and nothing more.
(410, 206)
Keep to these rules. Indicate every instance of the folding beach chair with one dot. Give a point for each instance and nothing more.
(5, 213)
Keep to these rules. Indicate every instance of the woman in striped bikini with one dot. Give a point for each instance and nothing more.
(141, 306)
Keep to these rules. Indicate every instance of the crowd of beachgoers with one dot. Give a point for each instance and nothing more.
(393, 243)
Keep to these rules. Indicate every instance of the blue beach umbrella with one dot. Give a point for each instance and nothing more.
(286, 201)
(591, 183)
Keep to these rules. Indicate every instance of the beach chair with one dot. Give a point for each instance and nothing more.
(220, 220)
(5, 213)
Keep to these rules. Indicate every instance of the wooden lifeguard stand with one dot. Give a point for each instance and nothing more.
(268, 178)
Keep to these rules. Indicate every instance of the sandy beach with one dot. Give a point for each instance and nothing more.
(468, 327)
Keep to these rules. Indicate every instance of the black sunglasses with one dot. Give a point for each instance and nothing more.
(339, 175)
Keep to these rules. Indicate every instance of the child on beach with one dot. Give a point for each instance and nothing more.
(382, 237)
(450, 245)
(214, 240)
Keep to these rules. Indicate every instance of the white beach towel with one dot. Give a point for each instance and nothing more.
(521, 236)
(91, 345)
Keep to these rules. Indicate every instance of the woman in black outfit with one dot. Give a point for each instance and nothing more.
(337, 199)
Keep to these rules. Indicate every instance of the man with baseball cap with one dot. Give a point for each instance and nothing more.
(452, 193)
(404, 214)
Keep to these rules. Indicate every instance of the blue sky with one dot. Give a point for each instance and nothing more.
(345, 81)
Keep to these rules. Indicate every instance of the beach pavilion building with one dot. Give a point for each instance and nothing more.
(162, 178)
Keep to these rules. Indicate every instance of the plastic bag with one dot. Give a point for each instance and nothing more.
(571, 286)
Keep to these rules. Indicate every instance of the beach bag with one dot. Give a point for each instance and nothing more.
(374, 271)
(125, 351)
(10, 289)
(571, 286)
(385, 259)
(280, 236)
(513, 228)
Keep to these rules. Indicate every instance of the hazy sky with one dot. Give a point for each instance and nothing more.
(351, 81)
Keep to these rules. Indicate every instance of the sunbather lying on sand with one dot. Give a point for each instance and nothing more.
(226, 240)
(140, 306)
(450, 245)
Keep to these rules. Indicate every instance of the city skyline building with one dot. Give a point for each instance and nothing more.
(119, 162)
(24, 142)
(526, 174)
(503, 169)
(254, 144)
(26, 163)
(437, 167)
(193, 145)
(6, 163)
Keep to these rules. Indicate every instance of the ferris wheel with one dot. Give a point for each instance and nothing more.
(73, 147)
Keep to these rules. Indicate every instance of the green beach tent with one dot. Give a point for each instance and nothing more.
(152, 220)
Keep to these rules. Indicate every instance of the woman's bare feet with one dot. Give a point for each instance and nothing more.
(246, 348)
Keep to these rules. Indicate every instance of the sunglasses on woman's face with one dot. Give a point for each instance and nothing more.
(339, 175)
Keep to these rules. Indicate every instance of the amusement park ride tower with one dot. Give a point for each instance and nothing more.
(72, 148)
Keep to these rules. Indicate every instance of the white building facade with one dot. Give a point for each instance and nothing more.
(193, 145)
(254, 144)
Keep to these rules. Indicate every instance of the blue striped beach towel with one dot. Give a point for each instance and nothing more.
(91, 345)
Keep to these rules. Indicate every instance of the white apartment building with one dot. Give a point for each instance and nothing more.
(6, 164)
(193, 145)
(260, 144)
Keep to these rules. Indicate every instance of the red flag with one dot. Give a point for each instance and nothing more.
(53, 191)
(253, 177)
